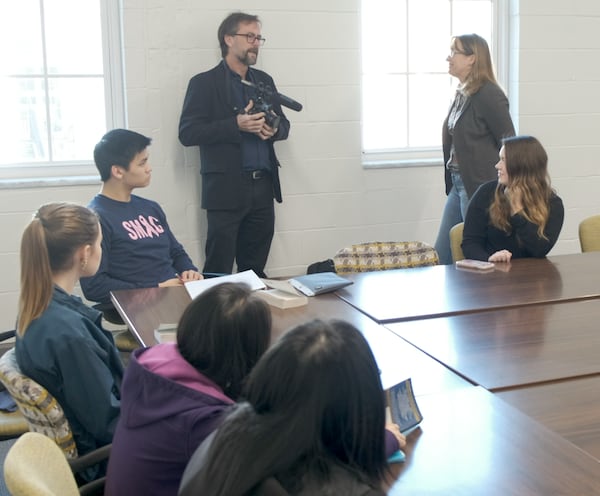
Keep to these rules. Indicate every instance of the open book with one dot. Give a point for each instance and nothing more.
(194, 288)
(277, 293)
(281, 294)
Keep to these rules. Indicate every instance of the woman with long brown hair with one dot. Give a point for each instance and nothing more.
(519, 215)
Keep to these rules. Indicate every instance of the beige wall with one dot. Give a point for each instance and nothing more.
(329, 199)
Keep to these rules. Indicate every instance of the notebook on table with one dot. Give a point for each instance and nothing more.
(319, 283)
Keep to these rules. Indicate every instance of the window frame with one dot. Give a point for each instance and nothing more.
(432, 156)
(26, 175)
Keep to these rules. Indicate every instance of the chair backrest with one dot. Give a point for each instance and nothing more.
(40, 409)
(36, 466)
(456, 236)
(589, 234)
(378, 255)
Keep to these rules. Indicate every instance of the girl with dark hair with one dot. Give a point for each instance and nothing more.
(313, 422)
(60, 341)
(519, 215)
(477, 121)
(174, 395)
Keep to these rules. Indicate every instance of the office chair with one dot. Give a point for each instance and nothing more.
(36, 466)
(42, 412)
(456, 236)
(44, 415)
(377, 255)
(589, 234)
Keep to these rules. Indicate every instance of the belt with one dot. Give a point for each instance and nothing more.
(258, 174)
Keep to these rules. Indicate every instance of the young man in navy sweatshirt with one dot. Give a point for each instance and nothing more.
(138, 248)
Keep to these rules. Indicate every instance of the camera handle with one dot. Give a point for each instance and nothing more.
(286, 101)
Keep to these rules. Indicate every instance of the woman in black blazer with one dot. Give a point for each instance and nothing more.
(477, 121)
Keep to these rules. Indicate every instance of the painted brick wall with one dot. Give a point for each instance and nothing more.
(312, 51)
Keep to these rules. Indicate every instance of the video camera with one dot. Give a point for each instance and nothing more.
(265, 97)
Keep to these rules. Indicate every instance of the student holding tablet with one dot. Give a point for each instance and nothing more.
(313, 422)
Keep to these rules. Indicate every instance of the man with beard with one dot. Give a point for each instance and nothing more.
(239, 168)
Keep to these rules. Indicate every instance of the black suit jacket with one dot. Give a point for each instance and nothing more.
(208, 120)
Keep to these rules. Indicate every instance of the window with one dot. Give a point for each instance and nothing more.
(60, 84)
(406, 88)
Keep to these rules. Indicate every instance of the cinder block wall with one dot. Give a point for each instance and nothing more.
(312, 51)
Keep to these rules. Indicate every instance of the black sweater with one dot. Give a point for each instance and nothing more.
(481, 239)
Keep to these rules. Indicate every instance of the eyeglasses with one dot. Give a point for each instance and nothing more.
(251, 38)
(456, 52)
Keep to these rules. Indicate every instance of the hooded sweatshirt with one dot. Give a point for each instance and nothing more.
(167, 409)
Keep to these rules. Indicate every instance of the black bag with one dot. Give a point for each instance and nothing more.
(324, 266)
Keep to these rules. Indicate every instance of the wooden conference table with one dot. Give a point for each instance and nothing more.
(517, 346)
(543, 359)
(145, 309)
(569, 408)
(443, 290)
(472, 441)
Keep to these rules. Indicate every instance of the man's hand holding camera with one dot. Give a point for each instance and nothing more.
(255, 123)
(266, 132)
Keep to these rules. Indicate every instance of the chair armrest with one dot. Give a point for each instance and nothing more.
(94, 488)
(7, 335)
(92, 458)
